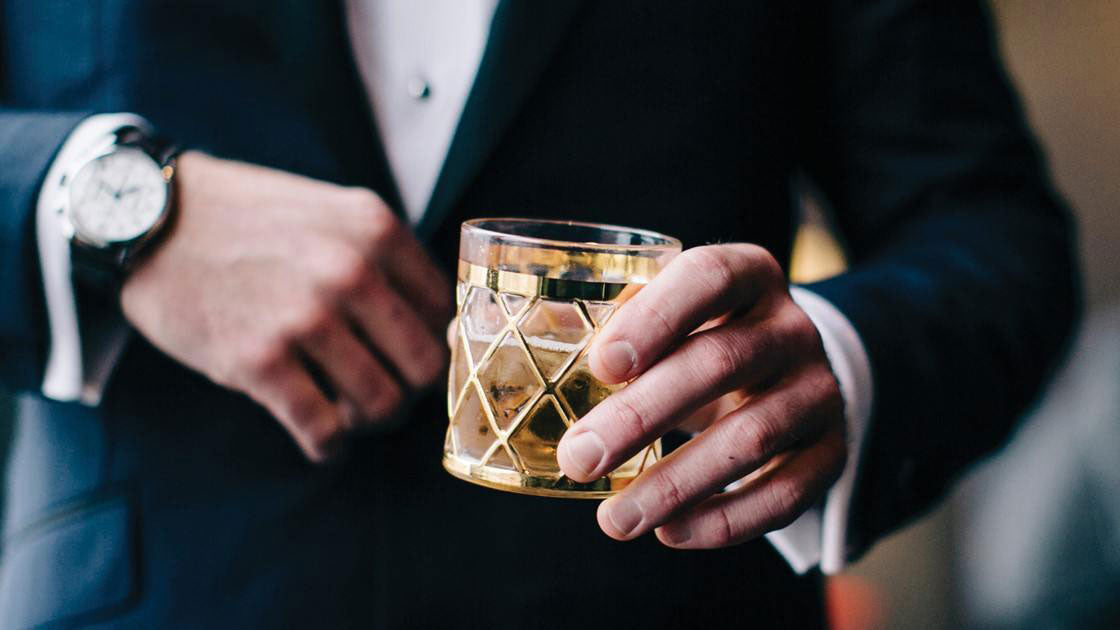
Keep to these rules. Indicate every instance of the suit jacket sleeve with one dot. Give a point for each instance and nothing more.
(962, 284)
(28, 141)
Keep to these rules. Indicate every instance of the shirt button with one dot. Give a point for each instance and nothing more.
(419, 88)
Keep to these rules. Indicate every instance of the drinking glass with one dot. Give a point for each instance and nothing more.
(531, 295)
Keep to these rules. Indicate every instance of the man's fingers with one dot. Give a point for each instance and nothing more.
(291, 396)
(735, 445)
(353, 371)
(707, 365)
(418, 278)
(765, 502)
(398, 332)
(389, 244)
(700, 284)
(703, 417)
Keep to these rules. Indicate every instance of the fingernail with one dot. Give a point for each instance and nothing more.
(584, 451)
(676, 534)
(625, 514)
(618, 358)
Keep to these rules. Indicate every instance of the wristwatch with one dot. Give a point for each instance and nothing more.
(117, 199)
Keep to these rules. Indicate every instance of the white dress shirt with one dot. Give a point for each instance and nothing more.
(418, 60)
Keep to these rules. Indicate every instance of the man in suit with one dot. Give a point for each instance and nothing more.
(263, 450)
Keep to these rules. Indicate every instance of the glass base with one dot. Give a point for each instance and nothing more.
(540, 486)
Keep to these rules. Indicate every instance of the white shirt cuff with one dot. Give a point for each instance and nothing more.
(81, 354)
(820, 535)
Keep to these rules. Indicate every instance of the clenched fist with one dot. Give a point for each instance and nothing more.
(313, 299)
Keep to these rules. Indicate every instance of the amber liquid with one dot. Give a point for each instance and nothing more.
(519, 379)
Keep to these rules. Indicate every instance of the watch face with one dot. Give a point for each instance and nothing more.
(117, 197)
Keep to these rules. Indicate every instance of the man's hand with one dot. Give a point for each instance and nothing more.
(713, 344)
(281, 286)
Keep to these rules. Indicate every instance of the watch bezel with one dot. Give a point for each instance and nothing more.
(119, 249)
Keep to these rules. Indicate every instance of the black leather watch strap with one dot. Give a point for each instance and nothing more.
(100, 271)
(162, 150)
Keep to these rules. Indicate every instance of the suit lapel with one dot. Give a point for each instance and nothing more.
(523, 37)
(318, 54)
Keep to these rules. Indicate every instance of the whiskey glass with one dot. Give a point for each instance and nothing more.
(531, 295)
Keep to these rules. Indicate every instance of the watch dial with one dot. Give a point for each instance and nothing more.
(117, 197)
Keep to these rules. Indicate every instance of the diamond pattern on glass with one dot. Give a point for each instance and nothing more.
(509, 419)
(536, 438)
(501, 459)
(555, 332)
(648, 457)
(514, 304)
(600, 312)
(581, 390)
(471, 430)
(482, 319)
(508, 380)
(459, 373)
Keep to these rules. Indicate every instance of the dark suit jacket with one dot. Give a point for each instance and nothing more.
(178, 503)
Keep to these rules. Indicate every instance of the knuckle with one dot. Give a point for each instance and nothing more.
(756, 436)
(710, 262)
(365, 201)
(785, 501)
(763, 262)
(800, 330)
(344, 272)
(259, 358)
(649, 314)
(669, 492)
(376, 222)
(825, 391)
(383, 232)
(383, 227)
(631, 423)
(766, 342)
(721, 360)
(722, 534)
(311, 324)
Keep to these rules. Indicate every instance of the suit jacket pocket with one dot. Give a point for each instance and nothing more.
(76, 566)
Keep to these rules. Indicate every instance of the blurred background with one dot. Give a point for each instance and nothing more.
(1031, 539)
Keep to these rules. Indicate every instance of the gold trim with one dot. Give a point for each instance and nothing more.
(536, 485)
(522, 478)
(529, 285)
